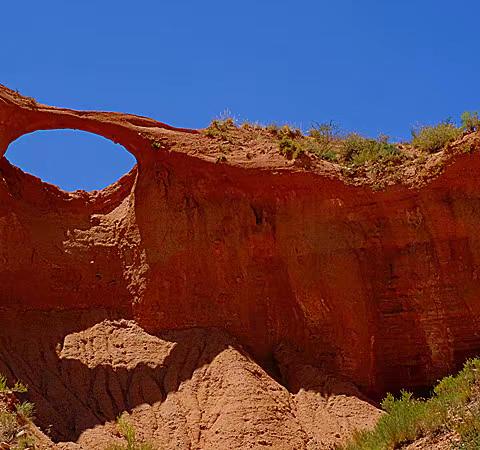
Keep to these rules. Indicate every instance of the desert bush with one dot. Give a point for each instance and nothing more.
(470, 121)
(407, 418)
(469, 432)
(8, 426)
(325, 133)
(290, 147)
(356, 150)
(272, 128)
(220, 127)
(26, 410)
(289, 132)
(433, 138)
(12, 423)
(324, 138)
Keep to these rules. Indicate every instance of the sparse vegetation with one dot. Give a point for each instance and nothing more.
(357, 150)
(431, 139)
(326, 141)
(14, 417)
(127, 431)
(220, 127)
(290, 147)
(453, 408)
(470, 121)
(156, 145)
(17, 388)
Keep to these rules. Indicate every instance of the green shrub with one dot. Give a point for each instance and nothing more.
(408, 418)
(357, 150)
(470, 121)
(469, 432)
(8, 426)
(432, 139)
(127, 431)
(273, 128)
(12, 423)
(290, 148)
(324, 140)
(26, 409)
(325, 152)
(220, 127)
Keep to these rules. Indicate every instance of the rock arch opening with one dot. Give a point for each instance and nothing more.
(71, 159)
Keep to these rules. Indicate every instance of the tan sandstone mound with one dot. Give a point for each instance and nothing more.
(194, 388)
(240, 302)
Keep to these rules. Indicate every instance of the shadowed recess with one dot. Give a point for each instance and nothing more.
(71, 159)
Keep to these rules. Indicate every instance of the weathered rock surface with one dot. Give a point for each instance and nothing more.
(380, 288)
(190, 389)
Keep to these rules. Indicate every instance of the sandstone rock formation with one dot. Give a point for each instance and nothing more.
(253, 279)
(194, 388)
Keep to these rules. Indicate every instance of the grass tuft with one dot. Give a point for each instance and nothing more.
(127, 431)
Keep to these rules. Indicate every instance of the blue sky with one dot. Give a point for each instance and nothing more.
(371, 66)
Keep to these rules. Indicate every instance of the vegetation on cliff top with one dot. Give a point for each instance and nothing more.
(453, 412)
(327, 142)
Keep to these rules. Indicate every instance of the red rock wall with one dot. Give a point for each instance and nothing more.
(382, 287)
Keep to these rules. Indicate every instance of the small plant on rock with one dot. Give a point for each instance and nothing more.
(14, 417)
(470, 121)
(290, 148)
(127, 431)
(220, 127)
(324, 140)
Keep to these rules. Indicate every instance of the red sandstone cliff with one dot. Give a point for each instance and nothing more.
(378, 287)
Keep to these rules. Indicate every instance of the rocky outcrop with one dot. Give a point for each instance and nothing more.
(378, 287)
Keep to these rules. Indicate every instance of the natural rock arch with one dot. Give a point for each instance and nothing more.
(377, 286)
(71, 159)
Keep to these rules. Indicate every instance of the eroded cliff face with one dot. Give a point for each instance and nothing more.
(379, 287)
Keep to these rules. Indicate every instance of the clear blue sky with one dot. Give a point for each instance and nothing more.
(372, 66)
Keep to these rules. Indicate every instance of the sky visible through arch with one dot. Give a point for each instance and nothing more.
(371, 66)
